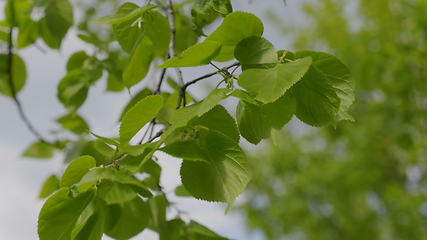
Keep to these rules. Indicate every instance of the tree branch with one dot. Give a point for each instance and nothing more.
(186, 85)
(12, 86)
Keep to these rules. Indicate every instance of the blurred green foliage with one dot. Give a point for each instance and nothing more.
(360, 180)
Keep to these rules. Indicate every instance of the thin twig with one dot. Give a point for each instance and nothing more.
(159, 84)
(172, 43)
(12, 86)
(186, 85)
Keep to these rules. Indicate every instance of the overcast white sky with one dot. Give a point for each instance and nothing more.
(20, 179)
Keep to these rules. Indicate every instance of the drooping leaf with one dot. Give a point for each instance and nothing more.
(197, 55)
(327, 74)
(269, 84)
(60, 213)
(28, 34)
(139, 115)
(19, 73)
(235, 27)
(127, 219)
(50, 185)
(257, 121)
(113, 192)
(93, 228)
(256, 52)
(222, 176)
(139, 63)
(220, 120)
(39, 150)
(77, 169)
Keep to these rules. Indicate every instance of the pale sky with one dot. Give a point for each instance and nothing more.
(20, 179)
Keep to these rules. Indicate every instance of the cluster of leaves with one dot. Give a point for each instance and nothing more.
(112, 185)
(356, 181)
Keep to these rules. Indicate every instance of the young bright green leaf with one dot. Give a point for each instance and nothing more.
(197, 55)
(245, 96)
(257, 121)
(20, 10)
(269, 84)
(235, 27)
(59, 17)
(99, 174)
(139, 115)
(139, 63)
(127, 219)
(222, 177)
(123, 16)
(60, 213)
(73, 122)
(185, 36)
(50, 185)
(204, 12)
(335, 74)
(39, 150)
(19, 72)
(255, 51)
(76, 170)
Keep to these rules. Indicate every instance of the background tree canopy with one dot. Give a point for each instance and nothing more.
(361, 180)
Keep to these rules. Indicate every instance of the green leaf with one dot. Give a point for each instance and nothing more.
(235, 27)
(181, 117)
(94, 227)
(269, 84)
(156, 27)
(51, 39)
(113, 192)
(60, 213)
(50, 185)
(256, 51)
(180, 191)
(97, 175)
(73, 89)
(185, 36)
(222, 176)
(21, 8)
(39, 150)
(73, 122)
(330, 74)
(123, 16)
(127, 33)
(220, 120)
(139, 115)
(204, 12)
(138, 97)
(59, 17)
(139, 63)
(28, 34)
(19, 73)
(257, 121)
(197, 55)
(76, 60)
(197, 231)
(127, 219)
(77, 169)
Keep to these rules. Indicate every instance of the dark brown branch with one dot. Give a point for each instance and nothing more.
(181, 98)
(12, 86)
